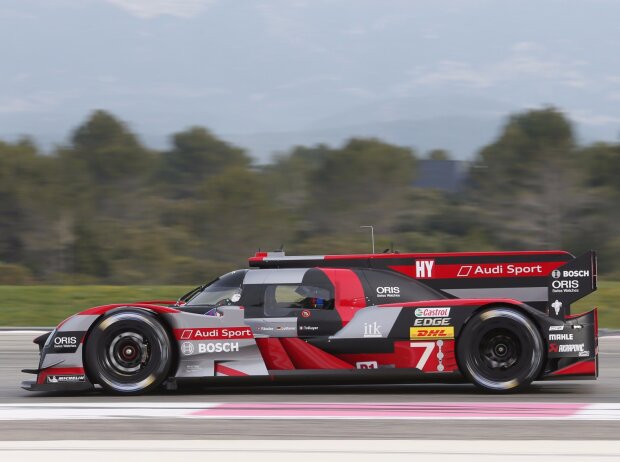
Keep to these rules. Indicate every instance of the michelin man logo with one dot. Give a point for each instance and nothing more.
(556, 306)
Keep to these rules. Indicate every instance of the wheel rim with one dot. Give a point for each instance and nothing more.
(131, 351)
(499, 349)
(128, 353)
(502, 358)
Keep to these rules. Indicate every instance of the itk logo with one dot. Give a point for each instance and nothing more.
(556, 307)
(372, 329)
(424, 269)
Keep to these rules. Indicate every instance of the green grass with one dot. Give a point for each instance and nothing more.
(48, 305)
(607, 300)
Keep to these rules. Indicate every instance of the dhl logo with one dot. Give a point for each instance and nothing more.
(417, 333)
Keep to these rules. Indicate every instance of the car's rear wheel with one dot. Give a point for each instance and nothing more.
(500, 350)
(128, 352)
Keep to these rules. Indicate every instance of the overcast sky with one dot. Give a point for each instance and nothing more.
(243, 67)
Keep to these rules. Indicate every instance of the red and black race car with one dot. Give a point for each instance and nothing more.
(499, 320)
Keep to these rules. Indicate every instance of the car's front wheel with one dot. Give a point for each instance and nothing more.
(500, 350)
(128, 352)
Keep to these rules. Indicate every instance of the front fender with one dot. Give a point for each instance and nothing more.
(61, 362)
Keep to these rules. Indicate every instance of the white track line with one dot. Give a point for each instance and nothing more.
(311, 450)
(312, 411)
(24, 332)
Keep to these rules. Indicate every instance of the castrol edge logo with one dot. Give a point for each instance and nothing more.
(431, 333)
(432, 312)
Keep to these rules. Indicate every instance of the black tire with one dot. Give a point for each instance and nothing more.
(500, 350)
(128, 352)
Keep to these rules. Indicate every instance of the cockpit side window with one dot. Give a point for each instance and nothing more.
(287, 299)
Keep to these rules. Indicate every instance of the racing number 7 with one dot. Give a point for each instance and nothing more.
(428, 346)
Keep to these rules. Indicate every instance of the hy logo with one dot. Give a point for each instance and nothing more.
(424, 268)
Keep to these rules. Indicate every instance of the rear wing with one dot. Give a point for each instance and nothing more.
(571, 282)
(531, 277)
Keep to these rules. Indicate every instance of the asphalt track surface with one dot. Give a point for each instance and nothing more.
(17, 352)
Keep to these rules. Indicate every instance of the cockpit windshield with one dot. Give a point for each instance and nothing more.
(225, 290)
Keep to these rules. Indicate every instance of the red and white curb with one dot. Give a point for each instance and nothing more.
(312, 411)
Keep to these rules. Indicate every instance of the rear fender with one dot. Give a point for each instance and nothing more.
(573, 348)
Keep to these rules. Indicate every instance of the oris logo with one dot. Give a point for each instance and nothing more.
(574, 284)
(388, 290)
(65, 341)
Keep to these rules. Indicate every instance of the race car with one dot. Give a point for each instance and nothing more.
(499, 320)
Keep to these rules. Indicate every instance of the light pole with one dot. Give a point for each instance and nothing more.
(372, 235)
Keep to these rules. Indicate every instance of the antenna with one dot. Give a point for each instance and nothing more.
(372, 235)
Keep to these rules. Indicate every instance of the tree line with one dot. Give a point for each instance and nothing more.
(104, 208)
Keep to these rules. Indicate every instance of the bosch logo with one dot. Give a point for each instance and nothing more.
(187, 348)
(576, 273)
(570, 274)
(220, 347)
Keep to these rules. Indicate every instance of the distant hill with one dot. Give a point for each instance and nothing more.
(462, 136)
